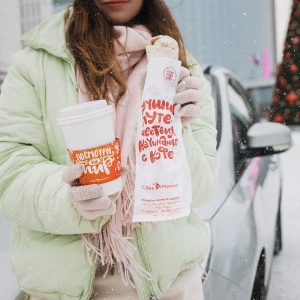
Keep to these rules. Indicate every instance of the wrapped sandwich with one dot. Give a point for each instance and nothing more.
(162, 46)
(163, 180)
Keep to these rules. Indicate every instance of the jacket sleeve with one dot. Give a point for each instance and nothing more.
(200, 144)
(32, 193)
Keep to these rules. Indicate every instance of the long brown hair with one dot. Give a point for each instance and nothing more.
(90, 39)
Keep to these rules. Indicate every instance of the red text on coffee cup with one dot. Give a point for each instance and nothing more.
(101, 164)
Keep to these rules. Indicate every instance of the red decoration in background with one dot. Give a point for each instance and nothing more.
(282, 82)
(294, 68)
(291, 98)
(276, 99)
(285, 106)
(278, 118)
(296, 40)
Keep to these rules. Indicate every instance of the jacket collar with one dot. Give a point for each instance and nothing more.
(49, 35)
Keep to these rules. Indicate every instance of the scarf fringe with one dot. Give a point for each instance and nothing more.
(131, 272)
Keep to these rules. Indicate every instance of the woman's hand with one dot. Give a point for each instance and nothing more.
(88, 200)
(187, 96)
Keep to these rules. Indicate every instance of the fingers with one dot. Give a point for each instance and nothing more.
(189, 111)
(85, 192)
(111, 209)
(189, 82)
(90, 203)
(89, 215)
(97, 213)
(187, 96)
(70, 174)
(184, 72)
(94, 204)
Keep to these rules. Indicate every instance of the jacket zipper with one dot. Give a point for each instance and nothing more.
(145, 261)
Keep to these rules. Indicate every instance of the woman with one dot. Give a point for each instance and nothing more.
(93, 51)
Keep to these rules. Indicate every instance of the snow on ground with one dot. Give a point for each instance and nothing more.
(285, 278)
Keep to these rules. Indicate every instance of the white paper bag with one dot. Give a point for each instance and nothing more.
(163, 179)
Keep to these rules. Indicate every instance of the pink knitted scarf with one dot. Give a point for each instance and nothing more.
(112, 245)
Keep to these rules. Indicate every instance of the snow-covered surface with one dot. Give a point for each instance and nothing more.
(285, 278)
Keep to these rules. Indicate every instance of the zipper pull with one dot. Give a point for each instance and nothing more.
(153, 297)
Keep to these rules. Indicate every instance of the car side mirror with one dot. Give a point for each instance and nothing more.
(267, 138)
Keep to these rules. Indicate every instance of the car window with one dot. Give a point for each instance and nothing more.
(242, 115)
(262, 97)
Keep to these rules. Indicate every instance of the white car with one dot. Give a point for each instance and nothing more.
(244, 214)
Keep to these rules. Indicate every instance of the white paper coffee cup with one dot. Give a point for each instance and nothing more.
(89, 133)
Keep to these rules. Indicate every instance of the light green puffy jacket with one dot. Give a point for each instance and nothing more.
(46, 252)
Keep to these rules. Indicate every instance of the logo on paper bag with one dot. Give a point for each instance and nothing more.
(101, 164)
(157, 185)
(165, 186)
(170, 75)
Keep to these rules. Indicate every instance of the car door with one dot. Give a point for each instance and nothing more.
(263, 175)
(242, 213)
(234, 227)
(235, 236)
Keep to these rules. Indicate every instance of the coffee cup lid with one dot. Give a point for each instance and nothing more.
(83, 111)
